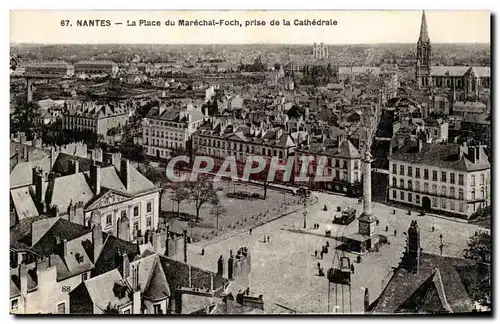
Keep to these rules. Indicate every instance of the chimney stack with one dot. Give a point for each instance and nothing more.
(97, 239)
(125, 173)
(413, 248)
(473, 154)
(126, 266)
(167, 241)
(23, 280)
(220, 266)
(39, 182)
(95, 178)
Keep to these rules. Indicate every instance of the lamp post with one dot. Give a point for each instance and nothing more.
(441, 244)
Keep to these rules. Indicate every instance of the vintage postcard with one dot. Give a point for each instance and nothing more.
(250, 162)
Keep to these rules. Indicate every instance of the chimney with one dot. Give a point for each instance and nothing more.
(367, 300)
(205, 111)
(65, 248)
(154, 239)
(220, 266)
(230, 267)
(126, 266)
(95, 178)
(39, 182)
(53, 155)
(23, 280)
(167, 241)
(185, 245)
(97, 239)
(115, 160)
(125, 173)
(25, 152)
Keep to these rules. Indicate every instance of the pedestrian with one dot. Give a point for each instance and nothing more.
(316, 254)
(321, 255)
(386, 228)
(433, 228)
(319, 265)
(352, 268)
(395, 232)
(264, 239)
(250, 231)
(268, 239)
(327, 244)
(202, 251)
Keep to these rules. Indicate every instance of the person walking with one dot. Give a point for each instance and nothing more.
(250, 231)
(321, 255)
(268, 239)
(316, 253)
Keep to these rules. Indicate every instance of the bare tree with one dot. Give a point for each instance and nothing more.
(200, 192)
(181, 193)
(217, 210)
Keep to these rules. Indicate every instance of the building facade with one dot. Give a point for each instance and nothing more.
(440, 177)
(96, 67)
(167, 129)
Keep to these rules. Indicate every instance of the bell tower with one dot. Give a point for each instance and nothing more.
(423, 64)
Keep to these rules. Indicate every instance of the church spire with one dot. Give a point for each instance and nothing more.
(424, 35)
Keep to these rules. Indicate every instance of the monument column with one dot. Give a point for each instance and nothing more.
(367, 184)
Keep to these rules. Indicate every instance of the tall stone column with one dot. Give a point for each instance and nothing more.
(367, 184)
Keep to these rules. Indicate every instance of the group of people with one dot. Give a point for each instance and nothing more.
(316, 225)
(324, 250)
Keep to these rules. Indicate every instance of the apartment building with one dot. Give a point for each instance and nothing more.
(449, 177)
(167, 128)
(98, 119)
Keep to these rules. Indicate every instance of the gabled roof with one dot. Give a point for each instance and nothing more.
(23, 203)
(138, 183)
(61, 229)
(442, 284)
(108, 260)
(106, 198)
(22, 174)
(101, 289)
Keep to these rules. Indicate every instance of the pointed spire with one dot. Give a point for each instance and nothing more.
(424, 35)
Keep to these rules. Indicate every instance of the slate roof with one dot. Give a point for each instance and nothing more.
(101, 289)
(453, 71)
(22, 174)
(441, 284)
(439, 155)
(138, 182)
(23, 203)
(62, 162)
(108, 260)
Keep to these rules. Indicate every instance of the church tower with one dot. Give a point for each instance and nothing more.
(423, 65)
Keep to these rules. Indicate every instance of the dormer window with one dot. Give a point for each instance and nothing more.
(79, 258)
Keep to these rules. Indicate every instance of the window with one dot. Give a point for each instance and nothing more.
(473, 180)
(473, 194)
(410, 186)
(434, 175)
(417, 186)
(136, 225)
(136, 211)
(394, 182)
(483, 193)
(149, 207)
(461, 207)
(402, 170)
(417, 173)
(148, 221)
(443, 176)
(109, 220)
(426, 174)
(461, 194)
(61, 308)
(482, 179)
(123, 214)
(443, 190)
(84, 276)
(14, 305)
(394, 169)
(460, 179)
(409, 197)
(434, 189)
(426, 187)
(434, 202)
(452, 178)
(452, 205)
(127, 311)
(417, 199)
(401, 183)
(402, 195)
(356, 165)
(443, 203)
(452, 192)
(410, 171)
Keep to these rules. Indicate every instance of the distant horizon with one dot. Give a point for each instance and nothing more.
(242, 44)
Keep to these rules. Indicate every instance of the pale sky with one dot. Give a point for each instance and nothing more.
(353, 27)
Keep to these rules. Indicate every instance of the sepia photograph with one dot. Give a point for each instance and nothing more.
(213, 163)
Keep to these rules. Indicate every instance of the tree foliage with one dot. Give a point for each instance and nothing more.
(479, 247)
(201, 192)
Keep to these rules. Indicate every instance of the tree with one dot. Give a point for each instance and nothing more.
(479, 247)
(180, 194)
(217, 210)
(200, 192)
(23, 117)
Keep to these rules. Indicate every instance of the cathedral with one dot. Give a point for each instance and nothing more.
(471, 80)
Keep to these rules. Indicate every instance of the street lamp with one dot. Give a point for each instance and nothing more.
(441, 245)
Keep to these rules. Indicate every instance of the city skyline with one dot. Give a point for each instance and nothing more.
(353, 28)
